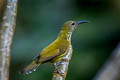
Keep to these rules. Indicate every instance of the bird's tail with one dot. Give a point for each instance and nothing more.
(30, 68)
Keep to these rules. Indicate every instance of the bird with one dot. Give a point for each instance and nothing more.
(55, 50)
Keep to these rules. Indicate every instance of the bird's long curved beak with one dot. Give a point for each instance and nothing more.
(80, 22)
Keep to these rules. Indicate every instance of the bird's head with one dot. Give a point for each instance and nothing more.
(71, 25)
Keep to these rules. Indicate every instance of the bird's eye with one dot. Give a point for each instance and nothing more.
(73, 23)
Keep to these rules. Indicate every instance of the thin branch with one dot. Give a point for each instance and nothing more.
(6, 34)
(111, 69)
(61, 67)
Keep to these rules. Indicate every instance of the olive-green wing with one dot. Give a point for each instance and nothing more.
(46, 56)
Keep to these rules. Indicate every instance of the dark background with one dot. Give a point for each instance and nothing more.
(39, 22)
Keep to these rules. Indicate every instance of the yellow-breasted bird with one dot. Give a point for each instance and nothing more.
(57, 49)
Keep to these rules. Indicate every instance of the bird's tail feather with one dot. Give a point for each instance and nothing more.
(30, 68)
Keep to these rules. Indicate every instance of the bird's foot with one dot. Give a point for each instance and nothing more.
(57, 71)
(65, 60)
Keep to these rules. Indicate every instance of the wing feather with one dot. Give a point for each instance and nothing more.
(46, 56)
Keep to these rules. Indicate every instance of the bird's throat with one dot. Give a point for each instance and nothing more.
(65, 35)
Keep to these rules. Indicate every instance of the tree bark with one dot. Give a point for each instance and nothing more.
(111, 69)
(7, 26)
(61, 67)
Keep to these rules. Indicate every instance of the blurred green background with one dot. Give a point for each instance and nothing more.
(39, 22)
